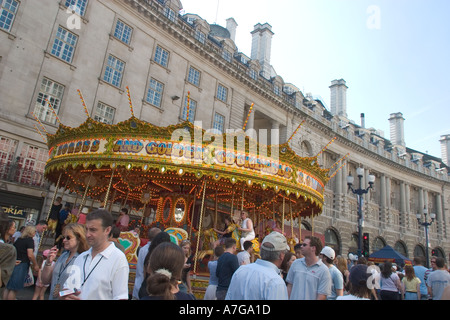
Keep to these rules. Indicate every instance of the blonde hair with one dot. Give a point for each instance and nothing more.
(79, 231)
(29, 231)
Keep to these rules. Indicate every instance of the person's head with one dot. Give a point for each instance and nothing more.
(58, 200)
(328, 255)
(289, 257)
(298, 250)
(115, 232)
(274, 247)
(28, 232)
(362, 260)
(41, 226)
(386, 269)
(358, 281)
(124, 211)
(186, 246)
(341, 263)
(230, 245)
(218, 251)
(152, 233)
(248, 245)
(433, 262)
(244, 215)
(409, 272)
(7, 227)
(311, 246)
(98, 227)
(440, 262)
(67, 206)
(160, 237)
(418, 261)
(75, 238)
(165, 268)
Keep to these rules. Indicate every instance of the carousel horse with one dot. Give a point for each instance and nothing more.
(177, 234)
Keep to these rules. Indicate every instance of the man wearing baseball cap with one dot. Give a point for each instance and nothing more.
(261, 280)
(337, 279)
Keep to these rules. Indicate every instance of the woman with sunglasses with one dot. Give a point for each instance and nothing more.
(74, 243)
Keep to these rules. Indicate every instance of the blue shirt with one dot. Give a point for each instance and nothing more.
(337, 282)
(257, 281)
(212, 266)
(308, 281)
(226, 266)
(420, 273)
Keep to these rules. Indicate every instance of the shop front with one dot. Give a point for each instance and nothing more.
(24, 209)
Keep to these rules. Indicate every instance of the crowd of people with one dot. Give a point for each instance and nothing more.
(88, 263)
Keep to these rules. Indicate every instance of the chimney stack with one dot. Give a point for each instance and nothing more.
(363, 121)
(397, 129)
(262, 47)
(445, 149)
(339, 98)
(231, 27)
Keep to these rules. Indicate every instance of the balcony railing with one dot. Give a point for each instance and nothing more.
(13, 172)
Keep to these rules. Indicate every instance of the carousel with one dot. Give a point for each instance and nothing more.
(184, 179)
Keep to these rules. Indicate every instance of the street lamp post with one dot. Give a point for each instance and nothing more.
(359, 193)
(425, 223)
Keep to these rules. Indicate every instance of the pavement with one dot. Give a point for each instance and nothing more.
(28, 292)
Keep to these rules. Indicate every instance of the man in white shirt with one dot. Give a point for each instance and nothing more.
(337, 280)
(261, 280)
(101, 273)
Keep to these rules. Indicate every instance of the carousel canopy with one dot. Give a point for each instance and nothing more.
(139, 161)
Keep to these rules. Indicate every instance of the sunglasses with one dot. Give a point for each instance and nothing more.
(67, 238)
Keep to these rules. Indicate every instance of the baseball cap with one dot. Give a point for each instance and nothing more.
(328, 252)
(278, 241)
(358, 274)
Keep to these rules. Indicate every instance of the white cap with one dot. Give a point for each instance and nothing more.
(85, 210)
(328, 252)
(278, 241)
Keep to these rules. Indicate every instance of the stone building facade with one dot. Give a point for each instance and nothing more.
(52, 48)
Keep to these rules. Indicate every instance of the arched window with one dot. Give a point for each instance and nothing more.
(306, 148)
(400, 247)
(332, 240)
(378, 244)
(419, 251)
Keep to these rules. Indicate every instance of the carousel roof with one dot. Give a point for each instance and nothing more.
(138, 161)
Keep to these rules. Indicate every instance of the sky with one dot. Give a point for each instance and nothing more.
(393, 54)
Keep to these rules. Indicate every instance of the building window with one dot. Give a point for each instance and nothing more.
(200, 36)
(64, 45)
(169, 13)
(8, 10)
(276, 90)
(52, 92)
(114, 71)
(162, 56)
(32, 164)
(7, 151)
(227, 55)
(219, 122)
(222, 93)
(194, 76)
(192, 109)
(253, 74)
(104, 113)
(79, 6)
(123, 32)
(155, 92)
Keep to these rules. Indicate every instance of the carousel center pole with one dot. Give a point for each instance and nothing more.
(199, 229)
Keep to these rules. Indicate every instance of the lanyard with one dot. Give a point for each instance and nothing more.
(64, 267)
(84, 269)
